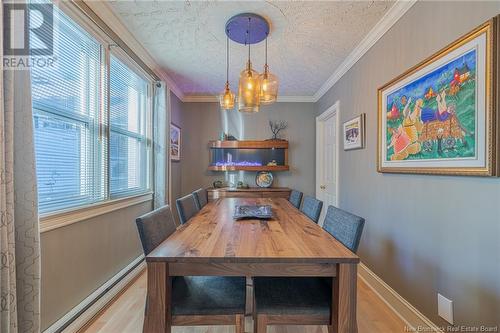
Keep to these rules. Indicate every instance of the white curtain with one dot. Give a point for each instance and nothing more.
(161, 143)
(19, 232)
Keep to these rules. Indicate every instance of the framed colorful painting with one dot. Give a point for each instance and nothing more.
(175, 142)
(354, 133)
(439, 117)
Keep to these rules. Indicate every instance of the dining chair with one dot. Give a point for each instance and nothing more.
(344, 226)
(186, 207)
(154, 227)
(201, 197)
(295, 198)
(196, 300)
(304, 300)
(311, 207)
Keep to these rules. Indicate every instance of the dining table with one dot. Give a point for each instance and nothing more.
(213, 243)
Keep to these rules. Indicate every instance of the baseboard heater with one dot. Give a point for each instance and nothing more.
(77, 317)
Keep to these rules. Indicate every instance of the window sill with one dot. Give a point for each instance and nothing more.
(60, 219)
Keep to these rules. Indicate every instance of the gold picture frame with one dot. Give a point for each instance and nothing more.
(432, 139)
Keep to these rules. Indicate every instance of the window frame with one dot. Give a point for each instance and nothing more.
(101, 129)
(148, 135)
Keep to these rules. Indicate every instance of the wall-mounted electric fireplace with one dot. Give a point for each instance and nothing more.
(269, 155)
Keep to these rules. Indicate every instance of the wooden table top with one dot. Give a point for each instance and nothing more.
(213, 236)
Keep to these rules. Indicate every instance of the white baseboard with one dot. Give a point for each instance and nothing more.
(413, 318)
(104, 294)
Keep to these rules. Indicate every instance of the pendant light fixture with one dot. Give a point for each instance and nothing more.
(249, 85)
(226, 99)
(253, 89)
(268, 85)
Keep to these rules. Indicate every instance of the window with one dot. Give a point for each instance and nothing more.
(128, 129)
(71, 142)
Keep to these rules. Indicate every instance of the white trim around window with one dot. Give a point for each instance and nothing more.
(54, 220)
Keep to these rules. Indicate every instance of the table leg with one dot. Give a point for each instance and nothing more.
(344, 300)
(249, 296)
(158, 316)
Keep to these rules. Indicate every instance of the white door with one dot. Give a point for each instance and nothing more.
(327, 158)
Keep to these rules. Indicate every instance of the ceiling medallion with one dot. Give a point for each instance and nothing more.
(254, 89)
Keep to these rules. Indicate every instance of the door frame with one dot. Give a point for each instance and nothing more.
(332, 111)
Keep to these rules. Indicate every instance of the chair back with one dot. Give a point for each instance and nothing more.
(201, 197)
(295, 198)
(154, 227)
(311, 207)
(344, 226)
(186, 208)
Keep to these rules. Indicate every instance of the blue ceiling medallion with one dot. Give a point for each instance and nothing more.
(247, 28)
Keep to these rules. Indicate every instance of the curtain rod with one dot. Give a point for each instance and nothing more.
(111, 34)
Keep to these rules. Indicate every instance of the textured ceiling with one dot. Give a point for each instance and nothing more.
(308, 40)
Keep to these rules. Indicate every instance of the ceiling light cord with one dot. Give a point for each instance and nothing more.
(248, 38)
(227, 59)
(266, 48)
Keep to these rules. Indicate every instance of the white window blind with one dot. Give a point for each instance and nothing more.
(72, 142)
(128, 130)
(65, 109)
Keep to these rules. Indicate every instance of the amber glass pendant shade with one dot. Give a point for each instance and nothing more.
(268, 87)
(226, 99)
(249, 90)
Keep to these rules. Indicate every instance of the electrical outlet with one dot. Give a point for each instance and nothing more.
(445, 308)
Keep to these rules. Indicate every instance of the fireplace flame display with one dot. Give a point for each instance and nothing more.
(246, 157)
(233, 164)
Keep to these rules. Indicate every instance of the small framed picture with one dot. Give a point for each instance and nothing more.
(175, 142)
(354, 133)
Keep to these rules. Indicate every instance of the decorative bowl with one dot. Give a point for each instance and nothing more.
(264, 179)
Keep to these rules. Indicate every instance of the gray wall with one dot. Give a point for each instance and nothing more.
(203, 122)
(79, 258)
(423, 234)
(175, 172)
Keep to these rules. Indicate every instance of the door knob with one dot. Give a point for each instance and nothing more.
(322, 187)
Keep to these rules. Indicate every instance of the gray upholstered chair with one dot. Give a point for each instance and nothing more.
(311, 207)
(154, 227)
(200, 197)
(303, 300)
(196, 300)
(291, 301)
(344, 226)
(295, 198)
(186, 208)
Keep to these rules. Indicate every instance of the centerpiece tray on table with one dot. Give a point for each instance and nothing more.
(252, 211)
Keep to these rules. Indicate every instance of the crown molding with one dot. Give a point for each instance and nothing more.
(295, 99)
(200, 99)
(386, 22)
(214, 99)
(104, 11)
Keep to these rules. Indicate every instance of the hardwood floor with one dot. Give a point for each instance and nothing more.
(126, 315)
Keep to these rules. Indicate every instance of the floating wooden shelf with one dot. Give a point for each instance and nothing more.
(252, 192)
(251, 144)
(250, 168)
